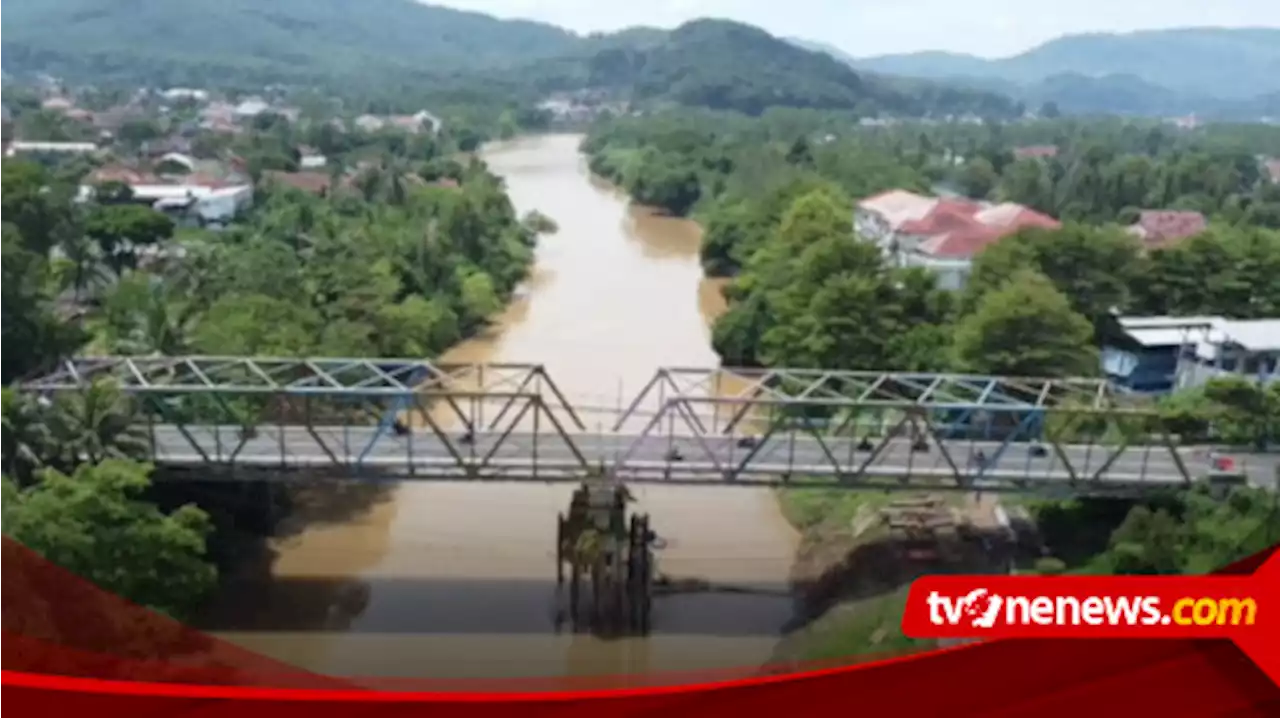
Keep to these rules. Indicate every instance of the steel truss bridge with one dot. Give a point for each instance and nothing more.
(272, 418)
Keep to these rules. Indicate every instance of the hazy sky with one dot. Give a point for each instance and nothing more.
(990, 28)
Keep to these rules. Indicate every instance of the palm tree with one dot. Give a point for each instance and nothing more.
(28, 438)
(85, 266)
(98, 423)
(143, 320)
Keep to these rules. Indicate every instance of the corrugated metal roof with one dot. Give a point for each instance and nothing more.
(1255, 335)
(1166, 337)
(1166, 322)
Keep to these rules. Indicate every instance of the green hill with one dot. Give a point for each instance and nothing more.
(1225, 63)
(404, 47)
(726, 65)
(228, 40)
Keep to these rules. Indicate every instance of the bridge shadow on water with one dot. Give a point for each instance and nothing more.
(250, 518)
(253, 522)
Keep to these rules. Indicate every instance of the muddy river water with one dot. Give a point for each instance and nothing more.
(456, 580)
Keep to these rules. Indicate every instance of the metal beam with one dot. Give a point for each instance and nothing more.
(812, 411)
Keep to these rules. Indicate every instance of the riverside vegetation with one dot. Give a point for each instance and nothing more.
(773, 194)
(390, 263)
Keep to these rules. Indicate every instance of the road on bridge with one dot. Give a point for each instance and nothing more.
(650, 458)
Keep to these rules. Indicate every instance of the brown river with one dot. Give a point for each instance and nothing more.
(456, 580)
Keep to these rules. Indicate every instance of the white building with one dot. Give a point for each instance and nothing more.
(940, 234)
(370, 123)
(199, 203)
(82, 148)
(185, 93)
(251, 107)
(1161, 354)
(430, 121)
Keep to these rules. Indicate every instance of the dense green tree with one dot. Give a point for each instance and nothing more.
(36, 205)
(95, 524)
(96, 424)
(1025, 328)
(978, 178)
(1226, 271)
(28, 439)
(143, 315)
(674, 189)
(122, 230)
(1093, 267)
(33, 332)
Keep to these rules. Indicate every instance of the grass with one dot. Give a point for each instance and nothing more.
(852, 628)
(811, 508)
(870, 626)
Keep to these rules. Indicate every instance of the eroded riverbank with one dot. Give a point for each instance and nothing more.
(458, 580)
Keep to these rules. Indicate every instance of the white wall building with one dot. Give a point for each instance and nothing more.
(940, 234)
(1169, 353)
(18, 147)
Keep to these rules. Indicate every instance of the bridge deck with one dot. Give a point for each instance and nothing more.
(527, 428)
(363, 452)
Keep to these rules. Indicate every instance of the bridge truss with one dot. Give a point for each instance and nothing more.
(343, 415)
(878, 429)
(407, 418)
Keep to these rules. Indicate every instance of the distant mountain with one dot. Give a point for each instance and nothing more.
(933, 64)
(815, 46)
(727, 65)
(280, 39)
(1218, 62)
(405, 45)
(1211, 71)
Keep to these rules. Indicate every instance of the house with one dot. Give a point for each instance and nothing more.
(426, 119)
(57, 104)
(112, 119)
(251, 107)
(1271, 168)
(197, 204)
(122, 174)
(175, 163)
(18, 147)
(310, 158)
(313, 182)
(183, 93)
(1162, 354)
(218, 111)
(202, 202)
(941, 234)
(369, 123)
(173, 144)
(1037, 152)
(1163, 228)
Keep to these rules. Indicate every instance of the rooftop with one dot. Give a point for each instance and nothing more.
(1255, 335)
(899, 206)
(953, 228)
(1161, 228)
(1035, 151)
(316, 182)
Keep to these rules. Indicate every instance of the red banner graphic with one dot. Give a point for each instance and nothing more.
(61, 640)
(1244, 609)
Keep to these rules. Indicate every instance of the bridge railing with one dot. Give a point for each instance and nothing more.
(475, 420)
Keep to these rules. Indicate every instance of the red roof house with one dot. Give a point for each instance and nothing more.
(1035, 152)
(1161, 228)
